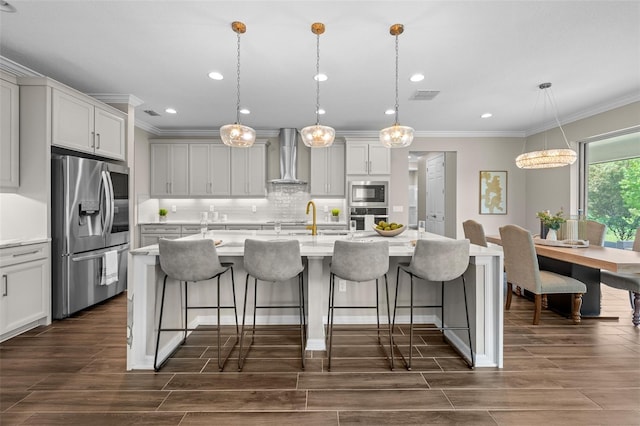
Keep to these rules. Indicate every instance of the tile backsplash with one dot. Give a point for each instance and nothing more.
(236, 209)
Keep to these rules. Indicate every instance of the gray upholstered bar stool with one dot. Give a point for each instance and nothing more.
(436, 261)
(190, 262)
(359, 262)
(272, 261)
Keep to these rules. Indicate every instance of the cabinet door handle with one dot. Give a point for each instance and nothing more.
(98, 138)
(369, 166)
(93, 139)
(210, 187)
(5, 290)
(25, 253)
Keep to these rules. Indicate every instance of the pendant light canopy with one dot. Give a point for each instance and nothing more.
(318, 136)
(238, 135)
(396, 136)
(548, 158)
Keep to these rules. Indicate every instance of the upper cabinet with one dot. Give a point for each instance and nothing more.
(206, 169)
(209, 170)
(82, 125)
(364, 158)
(327, 178)
(249, 171)
(169, 169)
(9, 134)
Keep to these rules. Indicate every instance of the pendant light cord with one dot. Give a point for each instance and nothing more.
(397, 102)
(238, 85)
(317, 79)
(555, 115)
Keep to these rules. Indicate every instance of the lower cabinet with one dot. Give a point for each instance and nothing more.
(25, 289)
(150, 234)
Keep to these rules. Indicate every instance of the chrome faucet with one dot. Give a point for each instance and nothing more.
(313, 226)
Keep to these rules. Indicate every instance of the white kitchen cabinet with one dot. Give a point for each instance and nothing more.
(195, 229)
(9, 134)
(209, 170)
(249, 171)
(81, 125)
(25, 297)
(169, 169)
(150, 234)
(364, 158)
(327, 171)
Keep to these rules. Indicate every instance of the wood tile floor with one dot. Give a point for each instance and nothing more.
(556, 373)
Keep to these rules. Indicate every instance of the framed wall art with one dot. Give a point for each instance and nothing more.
(493, 192)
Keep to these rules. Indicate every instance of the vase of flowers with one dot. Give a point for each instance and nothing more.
(551, 222)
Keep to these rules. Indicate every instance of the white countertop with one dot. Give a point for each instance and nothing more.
(241, 222)
(15, 242)
(320, 245)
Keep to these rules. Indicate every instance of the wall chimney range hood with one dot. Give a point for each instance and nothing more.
(288, 139)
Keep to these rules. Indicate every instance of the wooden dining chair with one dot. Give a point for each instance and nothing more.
(596, 232)
(521, 265)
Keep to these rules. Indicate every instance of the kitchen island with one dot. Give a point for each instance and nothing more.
(484, 289)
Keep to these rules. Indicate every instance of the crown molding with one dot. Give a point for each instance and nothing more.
(15, 69)
(597, 109)
(374, 134)
(117, 98)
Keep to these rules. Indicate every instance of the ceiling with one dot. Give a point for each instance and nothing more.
(482, 56)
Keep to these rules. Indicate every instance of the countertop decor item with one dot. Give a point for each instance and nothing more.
(318, 136)
(335, 215)
(396, 136)
(162, 214)
(547, 158)
(391, 233)
(238, 135)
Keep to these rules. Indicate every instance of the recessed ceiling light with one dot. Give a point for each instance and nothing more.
(245, 111)
(170, 111)
(215, 75)
(416, 77)
(320, 77)
(486, 115)
(390, 111)
(321, 111)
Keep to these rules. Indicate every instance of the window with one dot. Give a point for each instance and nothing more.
(610, 176)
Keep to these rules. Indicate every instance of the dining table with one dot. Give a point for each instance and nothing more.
(584, 263)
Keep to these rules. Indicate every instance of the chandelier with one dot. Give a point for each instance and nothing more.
(318, 136)
(238, 135)
(548, 158)
(396, 136)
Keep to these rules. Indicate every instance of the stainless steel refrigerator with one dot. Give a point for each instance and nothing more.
(90, 232)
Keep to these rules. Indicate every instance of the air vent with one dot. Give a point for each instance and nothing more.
(424, 95)
(152, 113)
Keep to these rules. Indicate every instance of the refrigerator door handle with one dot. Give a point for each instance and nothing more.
(108, 195)
(97, 255)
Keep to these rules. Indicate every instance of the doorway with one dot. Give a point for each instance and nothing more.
(432, 191)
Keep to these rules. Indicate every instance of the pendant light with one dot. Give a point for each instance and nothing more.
(238, 135)
(548, 158)
(396, 136)
(318, 136)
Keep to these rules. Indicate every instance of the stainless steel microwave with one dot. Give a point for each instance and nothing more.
(368, 193)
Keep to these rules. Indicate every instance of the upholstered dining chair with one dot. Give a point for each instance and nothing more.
(275, 262)
(436, 261)
(596, 232)
(626, 281)
(521, 265)
(358, 261)
(190, 262)
(474, 232)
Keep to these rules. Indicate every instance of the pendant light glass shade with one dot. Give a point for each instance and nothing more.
(548, 158)
(396, 136)
(238, 135)
(317, 136)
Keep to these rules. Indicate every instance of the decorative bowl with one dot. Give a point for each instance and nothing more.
(391, 233)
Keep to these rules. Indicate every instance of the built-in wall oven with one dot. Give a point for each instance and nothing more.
(362, 214)
(368, 193)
